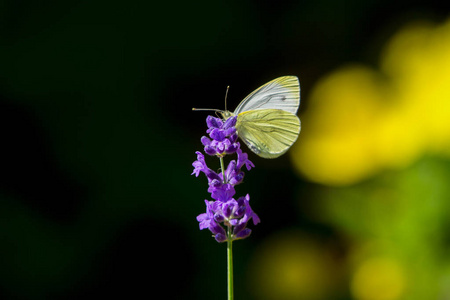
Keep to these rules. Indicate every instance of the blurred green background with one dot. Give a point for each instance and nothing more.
(98, 138)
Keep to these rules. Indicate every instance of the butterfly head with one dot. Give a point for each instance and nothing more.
(225, 114)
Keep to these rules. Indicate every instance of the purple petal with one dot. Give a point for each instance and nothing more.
(243, 234)
(238, 228)
(199, 165)
(240, 211)
(249, 165)
(232, 148)
(237, 178)
(216, 228)
(243, 159)
(217, 134)
(233, 139)
(220, 238)
(223, 193)
(230, 131)
(218, 217)
(226, 143)
(211, 175)
(205, 218)
(210, 150)
(220, 147)
(213, 122)
(249, 212)
(234, 222)
(255, 219)
(229, 172)
(228, 210)
(205, 141)
(230, 122)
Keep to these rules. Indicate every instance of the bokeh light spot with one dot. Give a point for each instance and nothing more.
(292, 266)
(378, 279)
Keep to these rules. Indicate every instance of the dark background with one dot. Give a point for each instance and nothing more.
(98, 136)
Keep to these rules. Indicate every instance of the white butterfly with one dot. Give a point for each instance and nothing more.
(267, 119)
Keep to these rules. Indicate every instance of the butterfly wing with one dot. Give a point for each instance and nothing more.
(268, 132)
(281, 93)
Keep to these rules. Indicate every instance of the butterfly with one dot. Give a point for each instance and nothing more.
(267, 119)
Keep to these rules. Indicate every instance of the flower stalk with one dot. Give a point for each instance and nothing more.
(222, 168)
(230, 267)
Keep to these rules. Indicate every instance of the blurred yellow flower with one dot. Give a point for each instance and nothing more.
(292, 266)
(360, 121)
(378, 279)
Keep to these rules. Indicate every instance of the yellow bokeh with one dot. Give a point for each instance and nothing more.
(378, 279)
(360, 121)
(292, 266)
(337, 129)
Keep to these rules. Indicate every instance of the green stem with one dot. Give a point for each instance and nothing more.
(222, 168)
(230, 265)
(229, 247)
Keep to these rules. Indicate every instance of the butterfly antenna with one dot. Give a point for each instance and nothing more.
(226, 94)
(216, 110)
(207, 109)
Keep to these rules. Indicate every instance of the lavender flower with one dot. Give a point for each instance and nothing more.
(225, 210)
(223, 135)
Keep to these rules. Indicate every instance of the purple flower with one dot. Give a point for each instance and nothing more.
(233, 174)
(205, 219)
(224, 211)
(200, 166)
(233, 214)
(222, 136)
(212, 123)
(221, 191)
(249, 214)
(243, 160)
